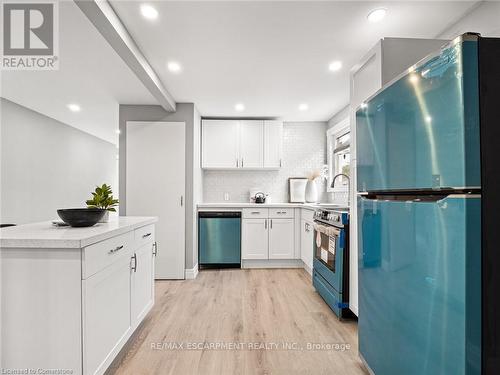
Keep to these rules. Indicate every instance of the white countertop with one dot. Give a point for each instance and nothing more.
(46, 235)
(311, 206)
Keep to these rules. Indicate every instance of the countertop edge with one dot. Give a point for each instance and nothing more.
(44, 243)
(237, 205)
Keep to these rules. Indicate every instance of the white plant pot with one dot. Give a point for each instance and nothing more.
(311, 191)
(105, 218)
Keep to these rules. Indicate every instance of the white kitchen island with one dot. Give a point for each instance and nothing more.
(70, 298)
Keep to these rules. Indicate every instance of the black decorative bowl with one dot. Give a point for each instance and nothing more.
(81, 217)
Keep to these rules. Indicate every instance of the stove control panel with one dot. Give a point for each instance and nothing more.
(332, 217)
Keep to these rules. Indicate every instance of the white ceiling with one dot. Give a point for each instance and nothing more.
(272, 56)
(90, 74)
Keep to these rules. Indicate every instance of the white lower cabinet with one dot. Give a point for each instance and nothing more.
(106, 317)
(254, 239)
(267, 237)
(281, 238)
(306, 243)
(142, 283)
(117, 298)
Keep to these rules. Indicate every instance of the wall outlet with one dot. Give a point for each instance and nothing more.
(226, 196)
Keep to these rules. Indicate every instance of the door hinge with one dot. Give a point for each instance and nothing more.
(155, 248)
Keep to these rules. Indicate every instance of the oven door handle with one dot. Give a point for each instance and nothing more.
(328, 230)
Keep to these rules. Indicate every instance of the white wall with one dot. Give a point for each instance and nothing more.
(484, 19)
(304, 149)
(46, 165)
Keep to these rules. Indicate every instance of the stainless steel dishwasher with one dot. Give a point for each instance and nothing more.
(219, 239)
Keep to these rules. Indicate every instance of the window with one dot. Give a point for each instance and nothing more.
(339, 155)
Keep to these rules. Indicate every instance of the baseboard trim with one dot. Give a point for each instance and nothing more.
(307, 268)
(272, 263)
(191, 273)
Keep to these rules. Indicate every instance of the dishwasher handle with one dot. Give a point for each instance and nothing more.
(218, 214)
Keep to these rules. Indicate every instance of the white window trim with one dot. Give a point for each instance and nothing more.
(331, 134)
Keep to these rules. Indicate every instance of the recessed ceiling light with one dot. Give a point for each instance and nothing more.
(149, 12)
(174, 67)
(239, 107)
(377, 15)
(303, 107)
(74, 107)
(335, 65)
(117, 131)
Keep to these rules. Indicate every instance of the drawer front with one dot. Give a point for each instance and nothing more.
(255, 213)
(281, 213)
(144, 235)
(102, 254)
(307, 215)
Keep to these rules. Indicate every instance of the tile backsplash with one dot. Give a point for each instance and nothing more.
(304, 150)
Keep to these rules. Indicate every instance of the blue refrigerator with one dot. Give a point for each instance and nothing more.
(427, 210)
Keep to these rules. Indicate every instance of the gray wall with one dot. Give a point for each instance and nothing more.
(46, 165)
(339, 116)
(186, 112)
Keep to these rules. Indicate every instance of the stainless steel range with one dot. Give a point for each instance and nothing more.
(331, 259)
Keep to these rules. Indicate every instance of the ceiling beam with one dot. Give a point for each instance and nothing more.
(107, 22)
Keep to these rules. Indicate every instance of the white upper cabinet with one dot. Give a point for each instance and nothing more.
(273, 144)
(220, 144)
(251, 144)
(241, 144)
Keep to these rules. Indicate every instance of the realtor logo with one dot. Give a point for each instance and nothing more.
(29, 36)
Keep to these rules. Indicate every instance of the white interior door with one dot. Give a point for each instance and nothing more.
(252, 144)
(155, 186)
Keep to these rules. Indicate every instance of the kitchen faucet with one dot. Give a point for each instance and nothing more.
(348, 184)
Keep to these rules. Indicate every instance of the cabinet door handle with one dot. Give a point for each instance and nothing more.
(237, 163)
(242, 163)
(146, 235)
(271, 223)
(265, 224)
(134, 257)
(118, 248)
(182, 200)
(155, 249)
(280, 163)
(255, 212)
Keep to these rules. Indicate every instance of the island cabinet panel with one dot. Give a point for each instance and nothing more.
(73, 306)
(40, 329)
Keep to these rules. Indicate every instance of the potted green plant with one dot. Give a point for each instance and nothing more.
(102, 197)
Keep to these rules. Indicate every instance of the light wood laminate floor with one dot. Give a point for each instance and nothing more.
(251, 308)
